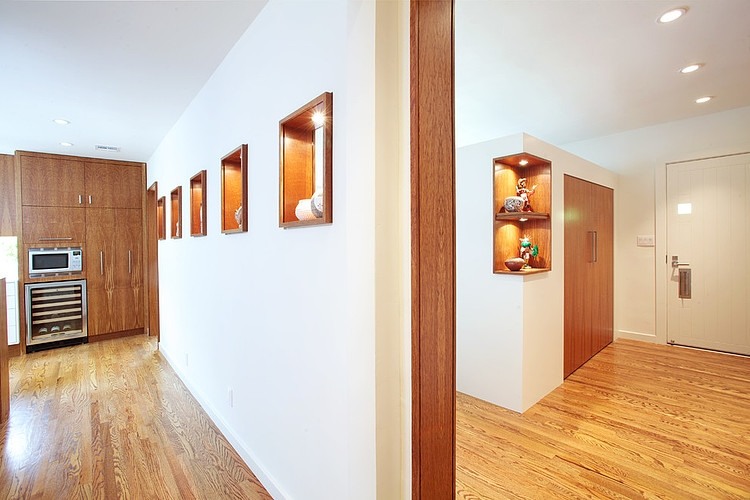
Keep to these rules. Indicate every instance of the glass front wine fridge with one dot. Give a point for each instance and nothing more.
(55, 314)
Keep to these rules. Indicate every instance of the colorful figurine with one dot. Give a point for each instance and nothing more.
(527, 250)
(523, 192)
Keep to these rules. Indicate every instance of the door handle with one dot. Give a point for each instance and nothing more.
(63, 238)
(80, 199)
(90, 199)
(594, 246)
(101, 262)
(676, 262)
(685, 283)
(129, 260)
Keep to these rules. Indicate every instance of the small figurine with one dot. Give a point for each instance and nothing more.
(523, 192)
(527, 250)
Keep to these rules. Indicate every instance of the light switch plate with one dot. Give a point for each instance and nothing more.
(646, 240)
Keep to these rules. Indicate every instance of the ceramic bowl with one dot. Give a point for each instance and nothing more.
(515, 264)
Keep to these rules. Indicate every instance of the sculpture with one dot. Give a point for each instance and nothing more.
(523, 192)
(527, 250)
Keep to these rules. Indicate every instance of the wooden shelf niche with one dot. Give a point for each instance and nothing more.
(234, 191)
(511, 227)
(161, 217)
(306, 164)
(175, 201)
(198, 204)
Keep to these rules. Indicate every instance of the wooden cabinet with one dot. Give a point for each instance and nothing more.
(589, 274)
(113, 186)
(61, 181)
(96, 204)
(54, 226)
(530, 220)
(114, 269)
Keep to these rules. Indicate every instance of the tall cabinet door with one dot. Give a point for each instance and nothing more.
(129, 313)
(589, 275)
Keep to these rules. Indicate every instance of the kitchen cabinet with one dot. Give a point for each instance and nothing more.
(589, 274)
(54, 226)
(61, 181)
(114, 270)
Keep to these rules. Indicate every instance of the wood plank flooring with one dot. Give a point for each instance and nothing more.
(638, 421)
(112, 420)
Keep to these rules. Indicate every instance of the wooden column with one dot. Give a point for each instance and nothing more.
(433, 250)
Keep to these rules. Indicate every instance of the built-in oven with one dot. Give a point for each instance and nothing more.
(55, 261)
(55, 314)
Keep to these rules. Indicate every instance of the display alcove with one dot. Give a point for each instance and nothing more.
(198, 204)
(234, 191)
(526, 179)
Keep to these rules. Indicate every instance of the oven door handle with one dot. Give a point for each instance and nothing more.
(64, 238)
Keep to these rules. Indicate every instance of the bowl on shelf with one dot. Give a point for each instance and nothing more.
(513, 204)
(515, 264)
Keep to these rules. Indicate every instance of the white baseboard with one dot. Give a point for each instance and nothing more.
(628, 334)
(264, 477)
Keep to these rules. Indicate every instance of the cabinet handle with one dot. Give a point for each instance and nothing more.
(101, 262)
(129, 260)
(594, 246)
(90, 198)
(80, 199)
(64, 238)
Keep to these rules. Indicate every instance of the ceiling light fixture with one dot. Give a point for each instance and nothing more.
(61, 121)
(523, 162)
(691, 68)
(66, 144)
(318, 119)
(672, 15)
(703, 99)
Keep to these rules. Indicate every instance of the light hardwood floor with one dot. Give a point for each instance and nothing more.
(112, 420)
(638, 421)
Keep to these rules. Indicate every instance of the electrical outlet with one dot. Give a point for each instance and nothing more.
(230, 397)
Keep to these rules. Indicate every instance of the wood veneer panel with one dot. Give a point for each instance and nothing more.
(8, 209)
(198, 208)
(54, 226)
(51, 181)
(152, 260)
(433, 250)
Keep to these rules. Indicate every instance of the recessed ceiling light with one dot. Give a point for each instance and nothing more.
(523, 162)
(691, 68)
(61, 121)
(66, 144)
(703, 99)
(672, 15)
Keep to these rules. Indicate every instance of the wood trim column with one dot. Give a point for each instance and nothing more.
(433, 251)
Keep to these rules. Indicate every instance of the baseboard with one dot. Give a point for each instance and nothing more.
(628, 334)
(248, 457)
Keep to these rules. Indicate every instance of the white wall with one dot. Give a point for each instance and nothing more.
(287, 319)
(640, 157)
(509, 329)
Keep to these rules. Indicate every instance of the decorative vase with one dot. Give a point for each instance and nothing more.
(304, 211)
(515, 264)
(238, 216)
(514, 204)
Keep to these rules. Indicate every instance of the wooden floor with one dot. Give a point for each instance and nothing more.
(638, 421)
(112, 420)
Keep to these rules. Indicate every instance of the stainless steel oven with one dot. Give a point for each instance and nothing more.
(55, 314)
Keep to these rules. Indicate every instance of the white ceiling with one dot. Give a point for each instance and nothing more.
(567, 70)
(121, 72)
(561, 70)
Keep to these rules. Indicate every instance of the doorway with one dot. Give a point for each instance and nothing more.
(708, 274)
(152, 265)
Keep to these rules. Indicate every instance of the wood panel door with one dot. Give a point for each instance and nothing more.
(100, 269)
(4, 366)
(708, 227)
(152, 265)
(129, 310)
(113, 186)
(589, 275)
(51, 182)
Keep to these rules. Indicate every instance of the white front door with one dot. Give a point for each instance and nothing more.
(708, 233)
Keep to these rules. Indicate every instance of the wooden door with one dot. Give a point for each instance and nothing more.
(4, 368)
(589, 276)
(708, 226)
(152, 266)
(51, 182)
(129, 313)
(111, 185)
(100, 269)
